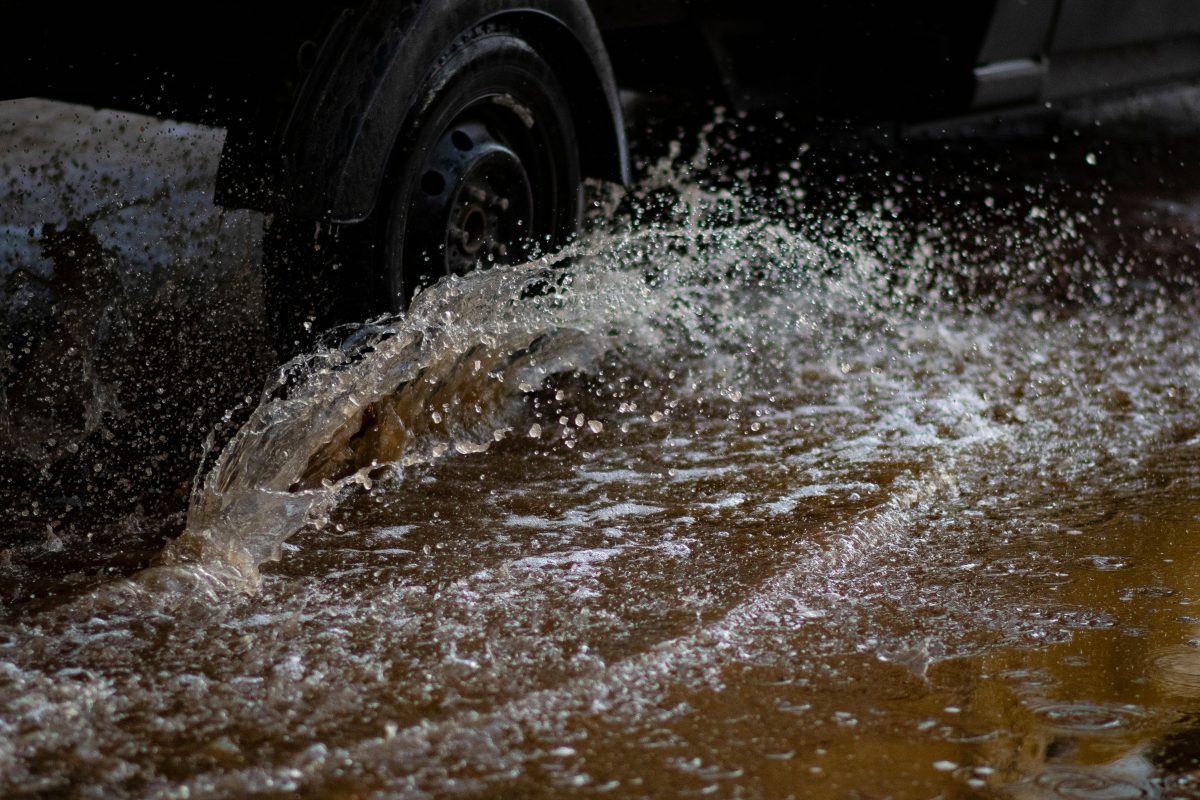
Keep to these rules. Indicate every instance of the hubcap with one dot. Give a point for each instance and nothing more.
(474, 205)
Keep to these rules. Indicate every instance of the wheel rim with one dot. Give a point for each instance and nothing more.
(489, 172)
(474, 205)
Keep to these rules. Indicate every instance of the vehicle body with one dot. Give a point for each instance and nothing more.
(323, 101)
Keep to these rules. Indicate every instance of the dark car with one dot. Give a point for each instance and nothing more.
(406, 139)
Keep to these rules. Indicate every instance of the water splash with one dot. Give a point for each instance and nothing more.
(814, 454)
(680, 269)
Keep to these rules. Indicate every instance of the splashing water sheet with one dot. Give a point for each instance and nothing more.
(723, 500)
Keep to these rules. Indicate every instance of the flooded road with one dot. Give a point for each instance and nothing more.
(799, 482)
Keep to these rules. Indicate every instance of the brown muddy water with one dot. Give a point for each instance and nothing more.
(785, 486)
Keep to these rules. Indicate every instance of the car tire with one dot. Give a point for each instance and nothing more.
(486, 170)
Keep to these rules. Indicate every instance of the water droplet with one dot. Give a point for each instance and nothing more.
(1090, 158)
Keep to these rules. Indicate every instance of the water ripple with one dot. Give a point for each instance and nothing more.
(1088, 717)
(1178, 668)
(1087, 785)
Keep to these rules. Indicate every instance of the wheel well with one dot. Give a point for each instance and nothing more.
(597, 116)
